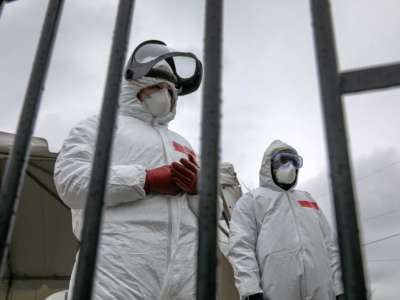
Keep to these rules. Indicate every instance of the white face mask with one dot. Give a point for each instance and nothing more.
(159, 103)
(286, 173)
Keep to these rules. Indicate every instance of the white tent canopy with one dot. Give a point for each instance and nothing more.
(43, 247)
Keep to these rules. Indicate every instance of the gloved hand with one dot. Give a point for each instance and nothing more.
(340, 297)
(185, 173)
(258, 296)
(159, 180)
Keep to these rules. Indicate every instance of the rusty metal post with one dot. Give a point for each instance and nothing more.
(210, 138)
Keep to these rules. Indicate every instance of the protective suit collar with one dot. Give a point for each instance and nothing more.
(131, 106)
(266, 179)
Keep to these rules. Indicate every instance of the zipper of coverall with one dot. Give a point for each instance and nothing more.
(169, 203)
(300, 241)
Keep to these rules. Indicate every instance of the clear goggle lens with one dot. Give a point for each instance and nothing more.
(149, 52)
(185, 65)
(280, 159)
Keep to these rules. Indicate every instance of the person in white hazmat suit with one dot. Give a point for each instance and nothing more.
(281, 246)
(148, 241)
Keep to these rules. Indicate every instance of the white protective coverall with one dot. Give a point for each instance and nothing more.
(281, 244)
(148, 242)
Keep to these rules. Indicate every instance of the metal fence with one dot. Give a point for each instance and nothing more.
(333, 85)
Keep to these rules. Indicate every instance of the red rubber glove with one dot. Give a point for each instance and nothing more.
(159, 180)
(185, 173)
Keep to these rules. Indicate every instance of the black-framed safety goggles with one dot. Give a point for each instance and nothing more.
(187, 69)
(282, 158)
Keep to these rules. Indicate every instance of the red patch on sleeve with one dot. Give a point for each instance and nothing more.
(183, 149)
(308, 203)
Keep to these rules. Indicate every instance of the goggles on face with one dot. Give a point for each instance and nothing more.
(187, 69)
(282, 158)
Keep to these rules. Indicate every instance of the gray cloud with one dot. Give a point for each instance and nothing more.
(375, 179)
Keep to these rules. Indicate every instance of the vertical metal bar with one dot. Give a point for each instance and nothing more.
(210, 136)
(16, 164)
(2, 3)
(1, 6)
(98, 180)
(340, 173)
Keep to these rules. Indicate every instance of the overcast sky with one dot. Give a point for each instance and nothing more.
(270, 90)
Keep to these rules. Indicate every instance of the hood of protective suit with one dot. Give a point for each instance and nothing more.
(227, 174)
(266, 179)
(130, 105)
(231, 190)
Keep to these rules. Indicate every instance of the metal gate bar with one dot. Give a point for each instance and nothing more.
(2, 3)
(98, 179)
(370, 78)
(1, 6)
(210, 138)
(16, 164)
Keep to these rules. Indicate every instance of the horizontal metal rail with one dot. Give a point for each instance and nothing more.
(210, 139)
(16, 163)
(339, 162)
(98, 180)
(366, 79)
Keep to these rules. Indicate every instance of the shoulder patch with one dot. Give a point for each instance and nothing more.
(308, 203)
(183, 149)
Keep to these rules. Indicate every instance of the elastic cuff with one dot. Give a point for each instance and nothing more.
(338, 288)
(248, 289)
(146, 186)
